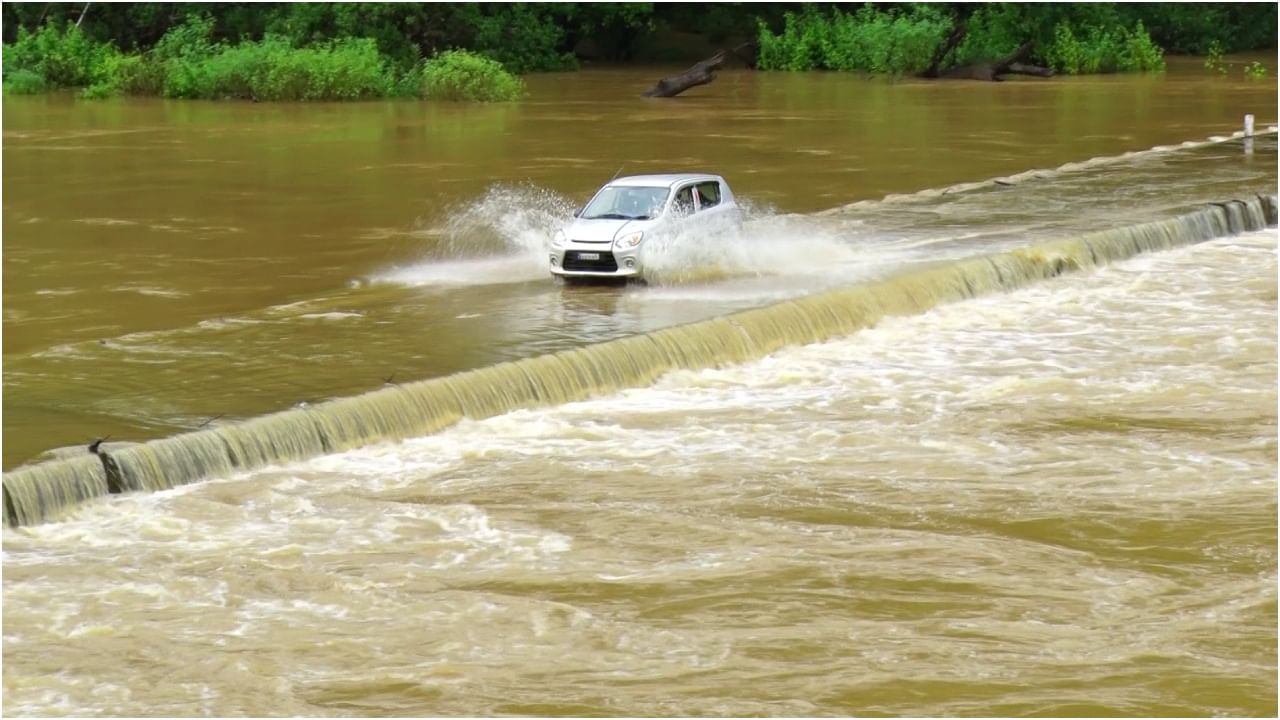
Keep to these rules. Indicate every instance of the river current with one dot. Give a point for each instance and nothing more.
(1059, 500)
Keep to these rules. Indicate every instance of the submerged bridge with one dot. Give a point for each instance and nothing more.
(43, 492)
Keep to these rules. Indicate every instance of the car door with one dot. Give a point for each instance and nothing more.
(708, 195)
(684, 205)
(714, 213)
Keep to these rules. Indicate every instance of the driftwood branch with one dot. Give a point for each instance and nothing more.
(1011, 65)
(699, 74)
(1024, 69)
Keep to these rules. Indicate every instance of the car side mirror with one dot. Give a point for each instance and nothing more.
(577, 212)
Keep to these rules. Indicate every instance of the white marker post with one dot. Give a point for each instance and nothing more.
(1248, 134)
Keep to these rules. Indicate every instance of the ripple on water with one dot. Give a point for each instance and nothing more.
(1060, 500)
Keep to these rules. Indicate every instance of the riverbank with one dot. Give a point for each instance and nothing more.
(188, 63)
(312, 53)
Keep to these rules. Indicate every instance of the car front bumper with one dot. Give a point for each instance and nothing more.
(573, 261)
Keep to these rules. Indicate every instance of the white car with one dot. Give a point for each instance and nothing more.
(608, 235)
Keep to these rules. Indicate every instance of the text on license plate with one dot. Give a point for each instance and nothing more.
(588, 256)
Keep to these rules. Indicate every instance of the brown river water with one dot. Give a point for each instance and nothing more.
(1056, 500)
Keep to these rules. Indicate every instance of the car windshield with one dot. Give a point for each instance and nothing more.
(619, 202)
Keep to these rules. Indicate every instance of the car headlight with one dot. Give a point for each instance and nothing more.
(559, 239)
(629, 241)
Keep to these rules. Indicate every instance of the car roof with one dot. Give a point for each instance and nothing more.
(664, 180)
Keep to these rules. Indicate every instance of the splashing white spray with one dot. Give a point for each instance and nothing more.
(767, 243)
(503, 237)
(506, 220)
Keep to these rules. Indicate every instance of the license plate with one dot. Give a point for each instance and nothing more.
(588, 256)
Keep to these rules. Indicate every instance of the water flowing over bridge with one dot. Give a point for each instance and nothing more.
(43, 492)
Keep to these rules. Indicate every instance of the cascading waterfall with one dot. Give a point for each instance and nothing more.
(42, 492)
(37, 493)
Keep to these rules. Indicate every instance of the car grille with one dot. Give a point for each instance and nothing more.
(606, 263)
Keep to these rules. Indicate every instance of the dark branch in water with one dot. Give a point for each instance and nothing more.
(390, 380)
(93, 446)
(1011, 65)
(1017, 68)
(206, 422)
(699, 74)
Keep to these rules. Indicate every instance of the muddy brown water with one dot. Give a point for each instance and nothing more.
(1056, 501)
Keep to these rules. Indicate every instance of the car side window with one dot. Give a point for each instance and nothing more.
(709, 194)
(684, 201)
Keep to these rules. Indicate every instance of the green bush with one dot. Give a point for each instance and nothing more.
(63, 56)
(120, 74)
(1255, 71)
(1103, 51)
(186, 62)
(1139, 52)
(461, 75)
(408, 84)
(1214, 61)
(522, 36)
(869, 40)
(994, 31)
(192, 38)
(24, 82)
(99, 91)
(903, 40)
(273, 69)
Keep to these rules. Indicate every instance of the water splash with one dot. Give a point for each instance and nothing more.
(768, 243)
(503, 236)
(506, 220)
(500, 237)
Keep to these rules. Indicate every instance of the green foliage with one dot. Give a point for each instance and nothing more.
(1103, 50)
(391, 25)
(273, 69)
(1190, 28)
(133, 75)
(192, 38)
(521, 37)
(800, 45)
(768, 48)
(1214, 61)
(1255, 71)
(62, 56)
(24, 82)
(1084, 39)
(98, 91)
(181, 45)
(408, 84)
(461, 75)
(869, 40)
(994, 31)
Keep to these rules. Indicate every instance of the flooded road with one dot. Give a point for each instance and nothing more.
(1059, 500)
(168, 263)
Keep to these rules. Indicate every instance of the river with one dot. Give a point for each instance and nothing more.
(1059, 500)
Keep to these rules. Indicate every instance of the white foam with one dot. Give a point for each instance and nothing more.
(487, 271)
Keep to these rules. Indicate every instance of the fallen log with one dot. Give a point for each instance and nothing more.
(1024, 69)
(699, 74)
(1011, 65)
